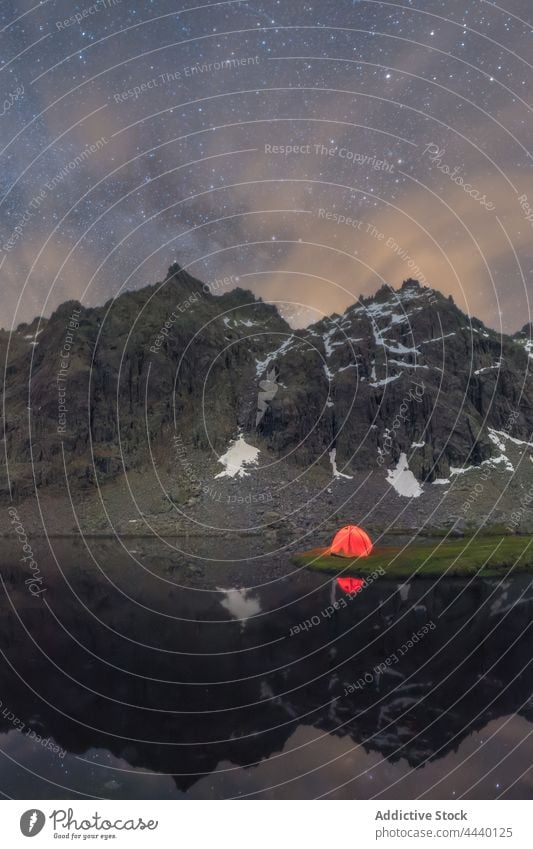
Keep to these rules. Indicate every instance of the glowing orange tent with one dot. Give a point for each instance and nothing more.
(351, 541)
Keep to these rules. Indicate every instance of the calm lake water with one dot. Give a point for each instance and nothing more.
(146, 672)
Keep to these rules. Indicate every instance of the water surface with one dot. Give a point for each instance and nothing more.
(145, 673)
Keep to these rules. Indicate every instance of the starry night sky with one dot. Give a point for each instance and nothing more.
(389, 103)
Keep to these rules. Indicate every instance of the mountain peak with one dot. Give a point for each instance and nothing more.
(411, 283)
(178, 275)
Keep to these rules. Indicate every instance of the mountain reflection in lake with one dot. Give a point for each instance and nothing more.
(153, 675)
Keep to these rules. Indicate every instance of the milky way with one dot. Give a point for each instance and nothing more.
(313, 150)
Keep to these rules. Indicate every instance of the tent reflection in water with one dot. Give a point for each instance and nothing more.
(351, 541)
(350, 585)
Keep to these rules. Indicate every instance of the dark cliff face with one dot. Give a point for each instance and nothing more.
(403, 372)
(104, 387)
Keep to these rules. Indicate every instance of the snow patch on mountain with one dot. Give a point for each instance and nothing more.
(496, 365)
(385, 381)
(437, 338)
(333, 461)
(238, 456)
(403, 480)
(400, 348)
(328, 344)
(528, 345)
(262, 365)
(502, 434)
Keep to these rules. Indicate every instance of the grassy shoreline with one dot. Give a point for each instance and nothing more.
(486, 556)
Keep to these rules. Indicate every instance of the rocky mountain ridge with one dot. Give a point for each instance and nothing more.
(198, 390)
